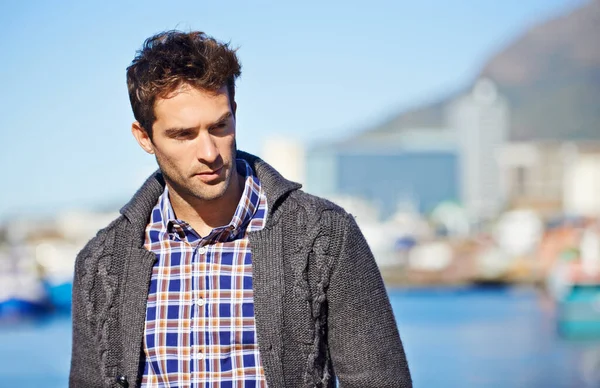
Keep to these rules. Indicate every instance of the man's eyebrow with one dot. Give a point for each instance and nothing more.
(175, 131)
(224, 117)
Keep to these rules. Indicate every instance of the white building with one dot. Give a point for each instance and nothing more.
(553, 176)
(481, 121)
(581, 193)
(286, 156)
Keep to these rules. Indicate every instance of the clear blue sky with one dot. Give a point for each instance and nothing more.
(312, 70)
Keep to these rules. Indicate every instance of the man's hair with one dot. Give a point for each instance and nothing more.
(172, 58)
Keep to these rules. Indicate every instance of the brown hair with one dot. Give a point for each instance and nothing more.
(172, 58)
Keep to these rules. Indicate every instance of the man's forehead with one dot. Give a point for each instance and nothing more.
(188, 97)
(192, 108)
(186, 88)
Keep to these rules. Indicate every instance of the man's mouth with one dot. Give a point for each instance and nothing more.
(208, 176)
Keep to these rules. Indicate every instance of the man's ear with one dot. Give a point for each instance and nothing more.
(142, 137)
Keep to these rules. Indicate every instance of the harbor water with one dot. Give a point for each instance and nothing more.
(459, 337)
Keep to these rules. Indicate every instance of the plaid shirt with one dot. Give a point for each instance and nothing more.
(200, 329)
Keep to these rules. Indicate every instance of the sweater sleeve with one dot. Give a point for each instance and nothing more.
(364, 342)
(85, 361)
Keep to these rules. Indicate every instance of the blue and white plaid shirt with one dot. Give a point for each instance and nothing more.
(200, 329)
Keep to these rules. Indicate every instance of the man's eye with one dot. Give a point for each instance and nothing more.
(183, 135)
(219, 127)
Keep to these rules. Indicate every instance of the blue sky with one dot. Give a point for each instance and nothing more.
(312, 70)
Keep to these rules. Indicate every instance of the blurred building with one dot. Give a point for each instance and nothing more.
(409, 169)
(581, 182)
(286, 156)
(419, 168)
(470, 159)
(481, 121)
(553, 177)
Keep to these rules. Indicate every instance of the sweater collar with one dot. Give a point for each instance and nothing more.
(275, 186)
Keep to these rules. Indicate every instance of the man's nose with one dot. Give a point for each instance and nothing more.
(206, 149)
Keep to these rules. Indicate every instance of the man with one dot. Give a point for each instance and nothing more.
(220, 272)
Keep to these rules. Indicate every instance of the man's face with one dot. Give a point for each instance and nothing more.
(193, 138)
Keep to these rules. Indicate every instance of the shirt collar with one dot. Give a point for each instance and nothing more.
(249, 200)
(244, 212)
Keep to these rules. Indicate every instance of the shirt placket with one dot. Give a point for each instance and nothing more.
(200, 292)
(186, 305)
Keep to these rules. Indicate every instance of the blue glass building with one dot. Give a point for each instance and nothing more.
(420, 166)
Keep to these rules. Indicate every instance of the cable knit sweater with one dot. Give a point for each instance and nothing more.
(322, 312)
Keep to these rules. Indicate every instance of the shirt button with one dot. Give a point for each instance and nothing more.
(200, 356)
(200, 302)
(202, 250)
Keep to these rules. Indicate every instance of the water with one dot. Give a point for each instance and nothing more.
(489, 338)
(459, 338)
(36, 354)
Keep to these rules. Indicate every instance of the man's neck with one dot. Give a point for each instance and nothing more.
(204, 216)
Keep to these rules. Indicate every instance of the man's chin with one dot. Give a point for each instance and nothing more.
(209, 192)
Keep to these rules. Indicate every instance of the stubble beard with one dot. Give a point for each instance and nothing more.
(191, 189)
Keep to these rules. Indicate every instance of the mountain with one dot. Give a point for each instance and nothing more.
(550, 76)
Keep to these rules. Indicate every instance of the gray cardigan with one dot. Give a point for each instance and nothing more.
(321, 308)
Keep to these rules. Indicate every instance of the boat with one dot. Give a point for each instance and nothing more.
(575, 285)
(21, 292)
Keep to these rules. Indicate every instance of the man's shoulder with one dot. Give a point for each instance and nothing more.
(327, 225)
(100, 245)
(313, 204)
(318, 216)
